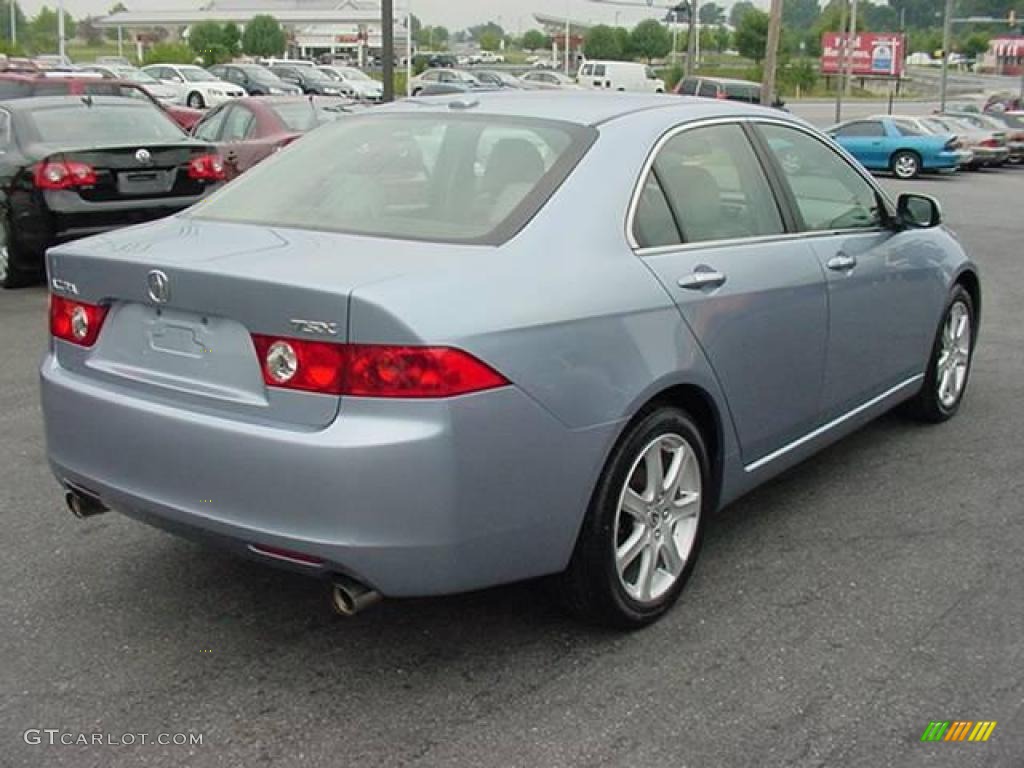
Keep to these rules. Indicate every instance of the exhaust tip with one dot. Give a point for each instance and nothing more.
(83, 506)
(349, 597)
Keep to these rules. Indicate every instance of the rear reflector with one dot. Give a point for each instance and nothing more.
(63, 174)
(75, 321)
(372, 370)
(285, 554)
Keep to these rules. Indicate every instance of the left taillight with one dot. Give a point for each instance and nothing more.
(63, 174)
(206, 168)
(75, 321)
(372, 370)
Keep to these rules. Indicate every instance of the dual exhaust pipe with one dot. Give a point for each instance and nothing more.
(348, 596)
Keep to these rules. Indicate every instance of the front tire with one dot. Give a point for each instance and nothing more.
(195, 100)
(905, 164)
(949, 365)
(642, 533)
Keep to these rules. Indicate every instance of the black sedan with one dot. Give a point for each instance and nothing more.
(80, 165)
(309, 79)
(256, 79)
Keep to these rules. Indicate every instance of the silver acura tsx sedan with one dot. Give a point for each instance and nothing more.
(463, 341)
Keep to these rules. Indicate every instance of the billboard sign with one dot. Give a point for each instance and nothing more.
(869, 54)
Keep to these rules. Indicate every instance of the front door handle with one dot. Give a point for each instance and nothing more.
(702, 277)
(841, 262)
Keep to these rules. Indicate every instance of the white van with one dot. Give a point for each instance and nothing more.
(619, 76)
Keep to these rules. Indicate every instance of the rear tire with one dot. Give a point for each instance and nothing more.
(13, 272)
(949, 365)
(195, 100)
(640, 538)
(905, 164)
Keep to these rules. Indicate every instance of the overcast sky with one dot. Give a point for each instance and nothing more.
(513, 15)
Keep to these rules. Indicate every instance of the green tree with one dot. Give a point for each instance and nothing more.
(601, 42)
(206, 39)
(752, 35)
(116, 8)
(738, 11)
(723, 39)
(89, 32)
(476, 33)
(711, 14)
(42, 30)
(800, 14)
(974, 45)
(433, 37)
(5, 20)
(651, 40)
(880, 18)
(168, 53)
(489, 40)
(231, 38)
(534, 40)
(263, 36)
(625, 43)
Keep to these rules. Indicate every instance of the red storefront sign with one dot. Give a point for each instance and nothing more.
(868, 54)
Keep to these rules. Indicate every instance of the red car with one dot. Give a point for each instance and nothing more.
(19, 85)
(250, 129)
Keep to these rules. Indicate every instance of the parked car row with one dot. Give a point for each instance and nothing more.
(908, 145)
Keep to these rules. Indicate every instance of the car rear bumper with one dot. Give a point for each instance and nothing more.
(990, 155)
(411, 497)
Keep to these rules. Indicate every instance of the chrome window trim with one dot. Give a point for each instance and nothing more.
(818, 432)
(782, 236)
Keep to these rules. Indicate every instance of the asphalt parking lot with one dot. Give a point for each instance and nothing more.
(834, 613)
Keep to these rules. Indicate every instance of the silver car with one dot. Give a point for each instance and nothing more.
(449, 344)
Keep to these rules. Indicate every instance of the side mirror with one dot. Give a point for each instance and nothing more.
(918, 211)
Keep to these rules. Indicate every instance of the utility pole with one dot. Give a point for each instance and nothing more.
(387, 28)
(408, 48)
(568, 32)
(771, 53)
(60, 29)
(841, 84)
(14, 24)
(853, 36)
(947, 41)
(691, 39)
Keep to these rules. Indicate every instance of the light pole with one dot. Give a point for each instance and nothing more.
(14, 24)
(408, 48)
(60, 29)
(947, 40)
(841, 84)
(387, 28)
(568, 31)
(853, 36)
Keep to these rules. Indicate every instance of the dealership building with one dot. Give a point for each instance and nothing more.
(313, 26)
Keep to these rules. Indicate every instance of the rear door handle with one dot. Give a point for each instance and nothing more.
(841, 262)
(702, 277)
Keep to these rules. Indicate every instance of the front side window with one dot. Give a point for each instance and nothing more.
(238, 123)
(708, 90)
(599, 70)
(715, 186)
(447, 178)
(689, 87)
(829, 193)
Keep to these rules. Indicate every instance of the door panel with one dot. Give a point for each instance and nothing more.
(754, 298)
(879, 319)
(764, 331)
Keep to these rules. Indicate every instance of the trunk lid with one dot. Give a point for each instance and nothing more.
(134, 172)
(224, 282)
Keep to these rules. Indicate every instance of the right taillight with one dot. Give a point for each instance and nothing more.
(372, 370)
(75, 321)
(206, 168)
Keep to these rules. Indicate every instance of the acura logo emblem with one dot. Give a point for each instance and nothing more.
(143, 156)
(159, 286)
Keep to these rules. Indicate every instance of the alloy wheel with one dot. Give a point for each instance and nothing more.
(905, 166)
(954, 355)
(657, 518)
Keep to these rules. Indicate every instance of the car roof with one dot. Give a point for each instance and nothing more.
(582, 107)
(45, 102)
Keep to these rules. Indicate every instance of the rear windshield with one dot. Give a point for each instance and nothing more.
(441, 177)
(301, 115)
(748, 93)
(106, 124)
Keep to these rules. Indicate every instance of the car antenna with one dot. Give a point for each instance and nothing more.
(87, 99)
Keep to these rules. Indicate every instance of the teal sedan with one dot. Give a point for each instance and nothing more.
(888, 144)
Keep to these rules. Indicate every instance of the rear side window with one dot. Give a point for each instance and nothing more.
(715, 187)
(74, 124)
(907, 129)
(440, 177)
(599, 70)
(689, 87)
